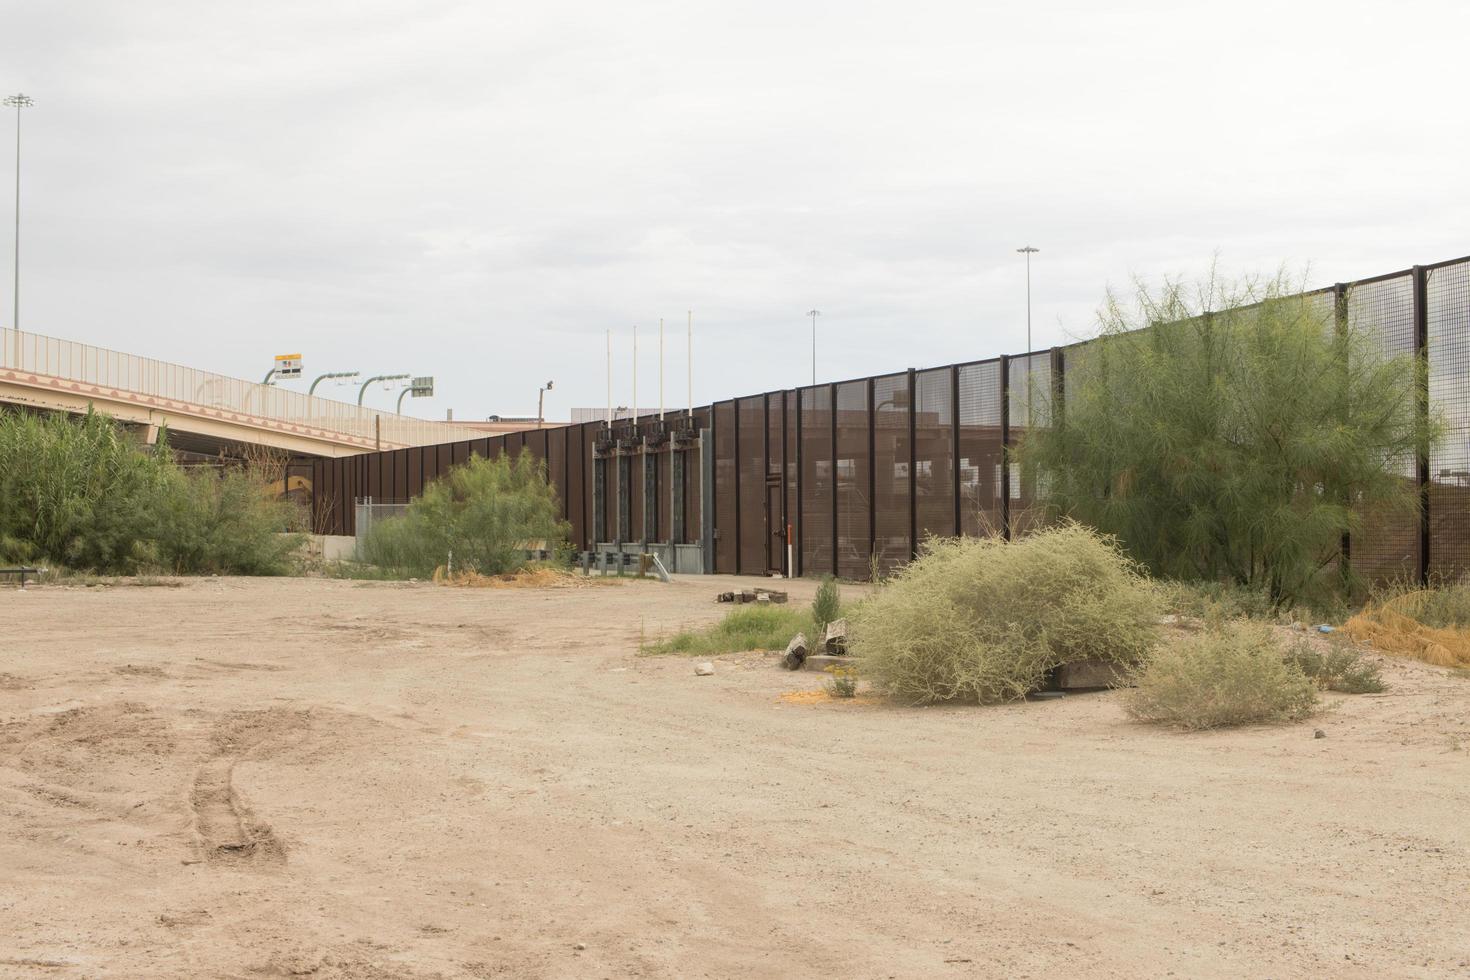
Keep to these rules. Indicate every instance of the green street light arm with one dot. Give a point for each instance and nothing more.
(381, 377)
(398, 409)
(268, 375)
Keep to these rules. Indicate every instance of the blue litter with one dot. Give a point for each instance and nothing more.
(1324, 628)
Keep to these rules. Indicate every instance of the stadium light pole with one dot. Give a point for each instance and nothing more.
(1028, 251)
(18, 102)
(814, 314)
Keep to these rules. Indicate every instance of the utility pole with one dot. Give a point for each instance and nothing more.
(18, 102)
(540, 403)
(814, 314)
(1028, 251)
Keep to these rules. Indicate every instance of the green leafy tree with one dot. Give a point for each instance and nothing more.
(486, 513)
(1237, 438)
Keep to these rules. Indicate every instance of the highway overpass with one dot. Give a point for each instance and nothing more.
(204, 412)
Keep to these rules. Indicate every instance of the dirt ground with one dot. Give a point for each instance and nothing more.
(256, 778)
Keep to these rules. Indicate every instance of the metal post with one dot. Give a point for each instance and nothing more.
(814, 313)
(1005, 445)
(1421, 339)
(954, 440)
(19, 101)
(797, 563)
(735, 414)
(1340, 326)
(872, 479)
(913, 467)
(832, 475)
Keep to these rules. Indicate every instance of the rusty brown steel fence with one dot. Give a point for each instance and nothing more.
(847, 476)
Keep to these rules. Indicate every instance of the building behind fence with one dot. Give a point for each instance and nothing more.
(850, 476)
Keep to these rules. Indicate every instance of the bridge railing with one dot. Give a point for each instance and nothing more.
(32, 353)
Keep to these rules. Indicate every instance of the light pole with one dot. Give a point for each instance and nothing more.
(331, 374)
(814, 314)
(540, 395)
(381, 377)
(18, 101)
(1028, 251)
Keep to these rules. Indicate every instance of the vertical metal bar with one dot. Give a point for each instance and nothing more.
(800, 486)
(766, 478)
(735, 414)
(872, 478)
(1421, 339)
(913, 467)
(1005, 446)
(1339, 326)
(954, 442)
(785, 491)
(832, 404)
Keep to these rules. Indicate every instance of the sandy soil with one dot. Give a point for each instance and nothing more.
(333, 779)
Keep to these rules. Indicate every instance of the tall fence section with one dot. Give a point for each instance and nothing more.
(849, 477)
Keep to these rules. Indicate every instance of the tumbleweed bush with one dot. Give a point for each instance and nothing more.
(1233, 674)
(983, 620)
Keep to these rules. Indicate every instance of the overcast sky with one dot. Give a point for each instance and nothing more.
(478, 190)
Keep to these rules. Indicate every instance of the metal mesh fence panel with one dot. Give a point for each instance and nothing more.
(1030, 394)
(934, 453)
(1388, 546)
(1448, 310)
(891, 470)
(816, 481)
(980, 448)
(725, 502)
(854, 505)
(752, 485)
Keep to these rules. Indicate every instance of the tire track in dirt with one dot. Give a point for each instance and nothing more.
(227, 830)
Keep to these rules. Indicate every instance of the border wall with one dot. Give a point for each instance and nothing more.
(861, 471)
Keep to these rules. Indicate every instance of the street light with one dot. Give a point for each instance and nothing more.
(18, 102)
(331, 374)
(381, 377)
(540, 395)
(814, 314)
(1028, 251)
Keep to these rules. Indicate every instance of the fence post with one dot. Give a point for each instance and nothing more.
(735, 414)
(832, 405)
(1339, 326)
(800, 482)
(1421, 340)
(954, 444)
(1005, 446)
(913, 467)
(872, 479)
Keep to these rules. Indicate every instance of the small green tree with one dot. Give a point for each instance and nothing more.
(485, 512)
(1237, 438)
(826, 605)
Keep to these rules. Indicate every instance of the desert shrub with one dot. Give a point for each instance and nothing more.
(826, 605)
(79, 493)
(482, 515)
(982, 619)
(844, 683)
(226, 523)
(1232, 674)
(1237, 438)
(752, 627)
(1341, 668)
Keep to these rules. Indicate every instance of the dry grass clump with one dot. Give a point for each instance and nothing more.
(983, 620)
(1233, 674)
(531, 577)
(1423, 624)
(1341, 668)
